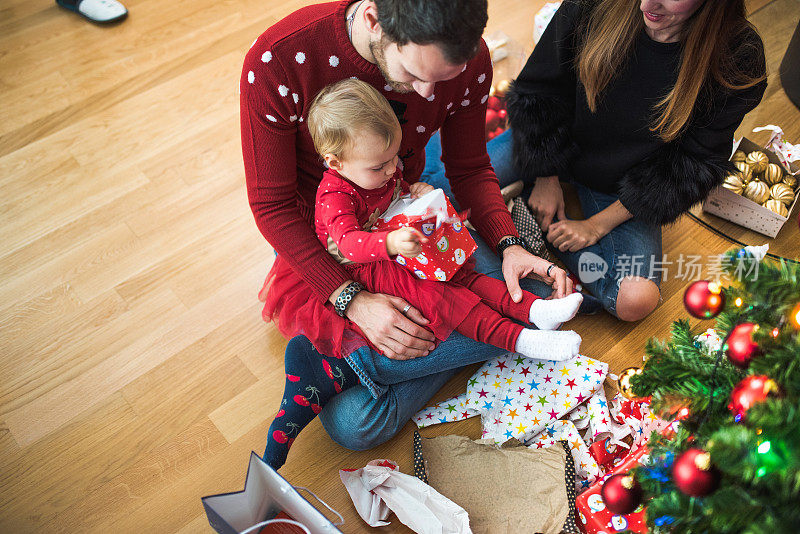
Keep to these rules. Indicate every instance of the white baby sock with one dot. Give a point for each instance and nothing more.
(549, 314)
(548, 344)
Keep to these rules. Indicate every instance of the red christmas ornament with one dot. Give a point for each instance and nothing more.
(492, 120)
(621, 494)
(741, 347)
(704, 299)
(693, 473)
(749, 392)
(494, 103)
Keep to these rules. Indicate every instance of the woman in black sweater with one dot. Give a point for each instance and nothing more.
(635, 103)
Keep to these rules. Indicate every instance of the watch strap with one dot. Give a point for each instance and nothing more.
(346, 297)
(509, 242)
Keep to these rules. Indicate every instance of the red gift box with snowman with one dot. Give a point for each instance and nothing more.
(593, 515)
(449, 243)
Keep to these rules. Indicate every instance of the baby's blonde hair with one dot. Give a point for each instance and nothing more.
(343, 108)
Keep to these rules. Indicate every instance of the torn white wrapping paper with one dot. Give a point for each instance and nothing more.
(380, 488)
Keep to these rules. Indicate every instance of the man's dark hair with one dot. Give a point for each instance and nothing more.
(455, 25)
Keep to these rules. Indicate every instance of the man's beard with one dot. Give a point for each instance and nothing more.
(377, 48)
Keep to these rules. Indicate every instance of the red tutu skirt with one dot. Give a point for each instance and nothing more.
(290, 303)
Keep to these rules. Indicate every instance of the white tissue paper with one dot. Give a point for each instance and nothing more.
(786, 152)
(380, 488)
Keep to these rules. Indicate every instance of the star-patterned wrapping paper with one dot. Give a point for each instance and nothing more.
(518, 397)
(541, 402)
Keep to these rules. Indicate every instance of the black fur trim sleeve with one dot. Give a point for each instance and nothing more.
(540, 125)
(665, 185)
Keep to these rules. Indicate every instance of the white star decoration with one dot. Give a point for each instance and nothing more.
(283, 90)
(334, 61)
(266, 56)
(251, 76)
(300, 57)
(481, 78)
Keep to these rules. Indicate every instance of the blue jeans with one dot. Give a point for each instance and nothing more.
(631, 249)
(392, 391)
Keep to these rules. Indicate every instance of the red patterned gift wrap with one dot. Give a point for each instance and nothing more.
(593, 515)
(449, 243)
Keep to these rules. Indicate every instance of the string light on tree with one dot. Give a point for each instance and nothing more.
(704, 299)
(794, 316)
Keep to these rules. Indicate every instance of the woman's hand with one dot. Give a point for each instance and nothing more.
(406, 241)
(547, 201)
(419, 189)
(398, 335)
(568, 235)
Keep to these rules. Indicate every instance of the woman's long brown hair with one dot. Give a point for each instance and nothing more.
(707, 54)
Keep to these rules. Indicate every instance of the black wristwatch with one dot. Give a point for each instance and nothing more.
(509, 242)
(346, 297)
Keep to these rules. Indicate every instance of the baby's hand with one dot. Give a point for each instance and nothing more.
(419, 189)
(406, 241)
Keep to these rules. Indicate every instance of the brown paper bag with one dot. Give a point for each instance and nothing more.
(508, 490)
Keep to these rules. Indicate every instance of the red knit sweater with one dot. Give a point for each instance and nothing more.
(283, 71)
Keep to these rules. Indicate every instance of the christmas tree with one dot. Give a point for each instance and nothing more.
(732, 461)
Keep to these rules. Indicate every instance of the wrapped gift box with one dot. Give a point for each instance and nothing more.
(449, 242)
(595, 518)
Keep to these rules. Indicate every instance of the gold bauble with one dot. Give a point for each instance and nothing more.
(501, 88)
(782, 193)
(738, 156)
(624, 382)
(757, 160)
(777, 206)
(773, 174)
(790, 180)
(733, 183)
(757, 191)
(745, 171)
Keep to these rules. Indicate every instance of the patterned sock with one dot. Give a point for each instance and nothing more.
(312, 379)
(549, 314)
(548, 344)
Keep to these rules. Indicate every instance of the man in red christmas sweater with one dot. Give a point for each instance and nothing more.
(427, 58)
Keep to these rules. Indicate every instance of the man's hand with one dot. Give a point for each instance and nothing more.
(398, 336)
(547, 201)
(406, 241)
(518, 262)
(567, 235)
(419, 189)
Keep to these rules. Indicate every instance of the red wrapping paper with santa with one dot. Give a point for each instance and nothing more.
(449, 243)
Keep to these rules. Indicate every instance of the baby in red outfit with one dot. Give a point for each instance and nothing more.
(355, 130)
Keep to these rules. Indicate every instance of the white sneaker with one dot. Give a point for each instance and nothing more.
(101, 11)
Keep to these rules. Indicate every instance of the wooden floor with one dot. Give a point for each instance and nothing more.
(136, 372)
